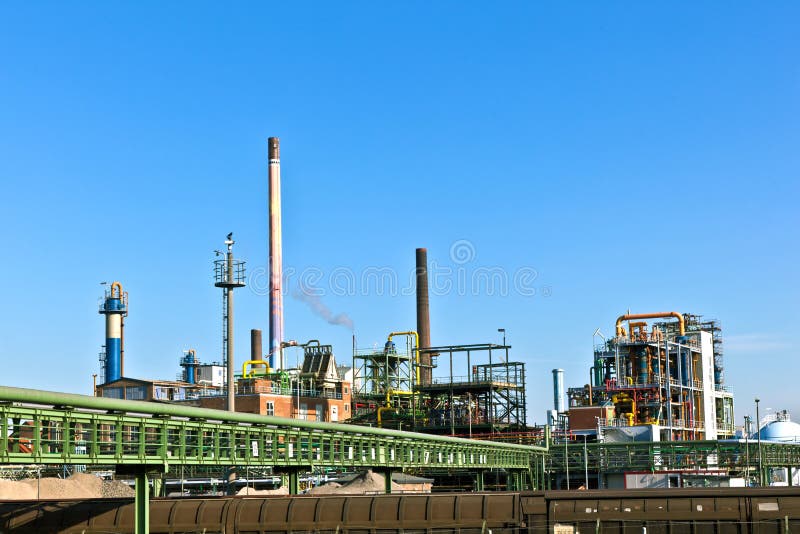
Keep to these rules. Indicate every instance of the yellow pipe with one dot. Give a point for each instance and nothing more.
(118, 287)
(629, 417)
(629, 316)
(253, 363)
(416, 346)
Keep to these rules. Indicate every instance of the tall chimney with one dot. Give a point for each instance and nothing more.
(558, 390)
(423, 316)
(275, 256)
(255, 344)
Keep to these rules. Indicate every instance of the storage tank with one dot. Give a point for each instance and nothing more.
(782, 429)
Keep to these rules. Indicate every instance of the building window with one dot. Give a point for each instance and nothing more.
(346, 407)
(345, 391)
(270, 408)
(135, 392)
(112, 393)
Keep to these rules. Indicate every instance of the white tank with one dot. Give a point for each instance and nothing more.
(782, 428)
(786, 431)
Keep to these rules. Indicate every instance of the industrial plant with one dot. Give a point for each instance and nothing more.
(651, 382)
(651, 411)
(657, 383)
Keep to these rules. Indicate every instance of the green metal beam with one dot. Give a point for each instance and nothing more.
(57, 428)
(142, 504)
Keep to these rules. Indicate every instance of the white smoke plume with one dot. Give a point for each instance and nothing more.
(320, 309)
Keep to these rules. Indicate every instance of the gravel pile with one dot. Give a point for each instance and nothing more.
(365, 483)
(115, 489)
(78, 486)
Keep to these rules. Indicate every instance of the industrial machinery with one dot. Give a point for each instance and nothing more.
(662, 382)
(483, 394)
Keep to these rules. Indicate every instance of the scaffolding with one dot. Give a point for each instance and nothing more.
(383, 383)
(482, 393)
(486, 397)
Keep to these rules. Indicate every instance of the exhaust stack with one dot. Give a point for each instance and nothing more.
(275, 256)
(558, 390)
(255, 344)
(423, 316)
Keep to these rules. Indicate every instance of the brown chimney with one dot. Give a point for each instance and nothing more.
(255, 344)
(423, 316)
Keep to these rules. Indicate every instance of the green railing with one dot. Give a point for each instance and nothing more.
(41, 427)
(731, 456)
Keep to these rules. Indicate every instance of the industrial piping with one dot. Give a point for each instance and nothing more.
(423, 317)
(275, 256)
(659, 315)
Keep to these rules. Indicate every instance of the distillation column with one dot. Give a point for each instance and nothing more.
(115, 308)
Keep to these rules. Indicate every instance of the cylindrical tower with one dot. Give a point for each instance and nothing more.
(115, 308)
(558, 390)
(423, 316)
(275, 256)
(189, 363)
(255, 344)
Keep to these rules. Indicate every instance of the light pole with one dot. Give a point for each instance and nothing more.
(758, 436)
(585, 464)
(566, 458)
(747, 449)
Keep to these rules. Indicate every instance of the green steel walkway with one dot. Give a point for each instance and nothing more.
(736, 457)
(141, 438)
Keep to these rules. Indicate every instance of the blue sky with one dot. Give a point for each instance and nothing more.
(635, 156)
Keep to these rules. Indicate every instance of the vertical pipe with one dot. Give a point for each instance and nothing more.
(122, 345)
(275, 256)
(669, 388)
(255, 344)
(758, 437)
(423, 315)
(229, 290)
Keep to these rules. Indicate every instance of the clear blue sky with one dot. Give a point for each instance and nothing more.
(640, 157)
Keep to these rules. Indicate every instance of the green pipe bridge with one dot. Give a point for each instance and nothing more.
(140, 438)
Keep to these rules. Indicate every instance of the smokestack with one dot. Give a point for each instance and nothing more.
(255, 344)
(558, 390)
(423, 316)
(275, 256)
